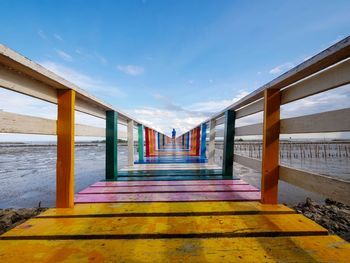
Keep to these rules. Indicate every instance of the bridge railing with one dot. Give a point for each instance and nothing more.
(327, 70)
(22, 75)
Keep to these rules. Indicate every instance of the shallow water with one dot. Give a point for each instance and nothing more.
(27, 174)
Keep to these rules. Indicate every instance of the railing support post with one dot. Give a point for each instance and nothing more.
(211, 148)
(203, 140)
(147, 132)
(140, 141)
(130, 142)
(111, 145)
(65, 149)
(270, 150)
(229, 138)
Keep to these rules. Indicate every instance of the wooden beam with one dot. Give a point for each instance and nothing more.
(203, 140)
(330, 78)
(270, 149)
(130, 142)
(211, 148)
(333, 188)
(140, 141)
(253, 129)
(147, 132)
(252, 163)
(65, 149)
(330, 121)
(18, 123)
(111, 145)
(250, 109)
(229, 137)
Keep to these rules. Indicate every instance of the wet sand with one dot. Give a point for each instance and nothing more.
(27, 174)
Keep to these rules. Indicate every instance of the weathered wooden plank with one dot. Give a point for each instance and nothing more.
(189, 182)
(130, 142)
(168, 209)
(168, 197)
(165, 226)
(18, 123)
(252, 163)
(328, 79)
(86, 130)
(65, 149)
(253, 129)
(220, 120)
(270, 147)
(211, 147)
(249, 249)
(170, 189)
(334, 188)
(331, 121)
(250, 109)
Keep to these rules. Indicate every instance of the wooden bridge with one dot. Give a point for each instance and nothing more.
(174, 204)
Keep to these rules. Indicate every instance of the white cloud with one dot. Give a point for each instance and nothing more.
(42, 34)
(91, 84)
(58, 37)
(213, 106)
(281, 68)
(64, 55)
(131, 69)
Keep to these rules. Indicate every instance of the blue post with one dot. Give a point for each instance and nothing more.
(203, 140)
(163, 139)
(188, 140)
(158, 140)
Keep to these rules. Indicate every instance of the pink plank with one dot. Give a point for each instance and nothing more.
(168, 197)
(155, 183)
(170, 188)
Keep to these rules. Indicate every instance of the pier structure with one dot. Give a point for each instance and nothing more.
(175, 202)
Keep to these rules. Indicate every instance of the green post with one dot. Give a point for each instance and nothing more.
(140, 141)
(111, 145)
(229, 137)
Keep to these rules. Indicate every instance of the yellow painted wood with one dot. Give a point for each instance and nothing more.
(166, 207)
(278, 249)
(270, 146)
(228, 225)
(65, 149)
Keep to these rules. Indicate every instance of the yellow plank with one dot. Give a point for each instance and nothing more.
(278, 249)
(237, 225)
(167, 207)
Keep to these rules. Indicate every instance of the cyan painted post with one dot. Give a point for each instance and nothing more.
(140, 141)
(229, 136)
(158, 140)
(203, 140)
(111, 145)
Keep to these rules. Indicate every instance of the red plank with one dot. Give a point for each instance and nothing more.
(171, 188)
(154, 183)
(168, 197)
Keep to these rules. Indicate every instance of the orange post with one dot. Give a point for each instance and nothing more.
(65, 149)
(270, 150)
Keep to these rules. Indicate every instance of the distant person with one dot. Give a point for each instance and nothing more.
(173, 133)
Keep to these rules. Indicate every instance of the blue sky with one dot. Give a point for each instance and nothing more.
(170, 63)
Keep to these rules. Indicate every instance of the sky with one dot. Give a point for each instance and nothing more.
(171, 64)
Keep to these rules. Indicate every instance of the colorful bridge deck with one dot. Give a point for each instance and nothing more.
(171, 213)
